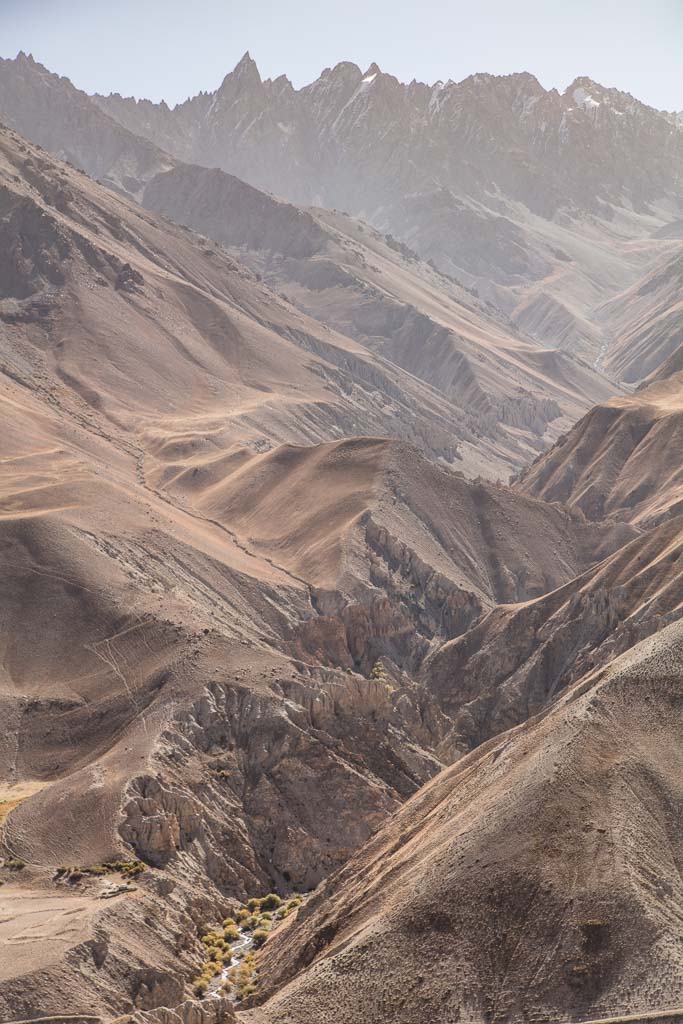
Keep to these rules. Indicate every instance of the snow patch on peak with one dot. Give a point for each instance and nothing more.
(368, 79)
(584, 99)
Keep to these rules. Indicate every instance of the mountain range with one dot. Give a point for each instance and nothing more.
(341, 512)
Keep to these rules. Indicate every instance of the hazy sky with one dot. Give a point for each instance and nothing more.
(174, 48)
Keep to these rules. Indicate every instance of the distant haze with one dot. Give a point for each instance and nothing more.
(171, 49)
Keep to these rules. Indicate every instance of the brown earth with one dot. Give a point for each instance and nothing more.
(248, 608)
(177, 668)
(508, 395)
(537, 878)
(624, 460)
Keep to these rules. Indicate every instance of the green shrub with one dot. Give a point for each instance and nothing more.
(231, 933)
(132, 869)
(229, 922)
(15, 864)
(271, 902)
(259, 937)
(201, 987)
(250, 923)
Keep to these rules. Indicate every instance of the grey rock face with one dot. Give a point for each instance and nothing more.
(442, 165)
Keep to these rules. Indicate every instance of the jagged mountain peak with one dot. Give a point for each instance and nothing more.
(245, 61)
(245, 72)
(344, 68)
(372, 71)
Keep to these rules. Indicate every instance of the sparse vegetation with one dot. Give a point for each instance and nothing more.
(243, 977)
(127, 868)
(15, 864)
(254, 921)
(270, 902)
(259, 937)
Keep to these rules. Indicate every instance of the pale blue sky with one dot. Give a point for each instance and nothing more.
(174, 48)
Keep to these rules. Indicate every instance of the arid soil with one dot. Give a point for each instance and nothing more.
(270, 620)
(624, 460)
(537, 878)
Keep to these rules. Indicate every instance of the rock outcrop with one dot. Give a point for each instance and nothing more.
(208, 1011)
(539, 873)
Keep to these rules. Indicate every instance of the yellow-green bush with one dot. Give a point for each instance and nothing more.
(259, 937)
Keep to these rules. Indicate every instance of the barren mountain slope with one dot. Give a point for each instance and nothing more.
(624, 460)
(199, 328)
(538, 877)
(512, 395)
(168, 656)
(487, 176)
(646, 321)
(388, 542)
(214, 604)
(142, 681)
(520, 657)
(304, 506)
(510, 388)
(86, 137)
